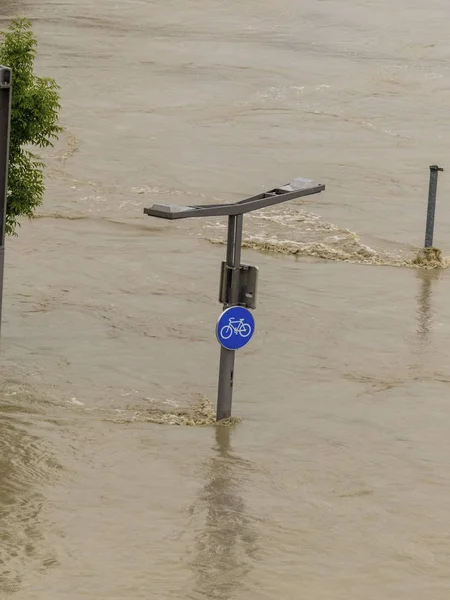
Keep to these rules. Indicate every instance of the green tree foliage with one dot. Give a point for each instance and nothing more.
(34, 121)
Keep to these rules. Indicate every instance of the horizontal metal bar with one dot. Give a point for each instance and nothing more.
(271, 198)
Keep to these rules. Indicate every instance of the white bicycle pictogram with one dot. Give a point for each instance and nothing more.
(235, 326)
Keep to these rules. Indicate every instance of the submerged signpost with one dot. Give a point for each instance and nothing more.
(238, 282)
(5, 124)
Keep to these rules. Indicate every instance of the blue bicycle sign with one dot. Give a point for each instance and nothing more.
(235, 327)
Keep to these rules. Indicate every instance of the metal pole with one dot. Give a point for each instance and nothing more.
(226, 368)
(429, 230)
(5, 123)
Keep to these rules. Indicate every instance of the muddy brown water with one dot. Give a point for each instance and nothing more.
(335, 484)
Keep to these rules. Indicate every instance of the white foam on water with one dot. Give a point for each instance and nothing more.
(292, 231)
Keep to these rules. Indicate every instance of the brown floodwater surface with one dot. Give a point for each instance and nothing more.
(334, 485)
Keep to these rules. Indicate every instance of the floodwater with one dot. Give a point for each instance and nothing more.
(335, 483)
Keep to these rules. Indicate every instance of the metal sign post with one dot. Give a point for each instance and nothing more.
(236, 325)
(5, 124)
(431, 207)
(233, 265)
(235, 329)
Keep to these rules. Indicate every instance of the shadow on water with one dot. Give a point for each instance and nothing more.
(24, 465)
(424, 305)
(227, 544)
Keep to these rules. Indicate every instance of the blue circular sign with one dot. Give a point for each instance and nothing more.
(235, 327)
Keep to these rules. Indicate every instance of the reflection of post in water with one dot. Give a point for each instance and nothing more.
(424, 308)
(226, 545)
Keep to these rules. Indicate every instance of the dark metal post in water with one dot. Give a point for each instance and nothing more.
(237, 282)
(226, 367)
(429, 230)
(5, 123)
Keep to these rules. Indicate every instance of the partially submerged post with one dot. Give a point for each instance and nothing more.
(238, 282)
(431, 209)
(5, 123)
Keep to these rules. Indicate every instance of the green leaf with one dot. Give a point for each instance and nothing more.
(34, 121)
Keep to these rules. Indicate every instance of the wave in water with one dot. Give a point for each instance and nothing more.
(300, 233)
(24, 465)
